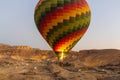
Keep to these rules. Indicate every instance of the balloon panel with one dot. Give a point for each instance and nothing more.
(62, 23)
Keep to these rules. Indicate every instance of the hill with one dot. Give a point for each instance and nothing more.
(26, 63)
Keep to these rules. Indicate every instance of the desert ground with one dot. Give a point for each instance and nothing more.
(26, 63)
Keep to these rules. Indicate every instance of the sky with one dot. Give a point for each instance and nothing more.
(17, 26)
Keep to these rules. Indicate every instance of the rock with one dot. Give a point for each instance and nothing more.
(63, 74)
(111, 78)
(26, 63)
(100, 57)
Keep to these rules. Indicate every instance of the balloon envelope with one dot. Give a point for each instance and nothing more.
(62, 23)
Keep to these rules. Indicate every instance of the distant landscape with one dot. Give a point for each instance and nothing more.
(27, 63)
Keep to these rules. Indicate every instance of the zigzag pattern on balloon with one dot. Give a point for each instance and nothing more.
(58, 15)
(65, 28)
(62, 22)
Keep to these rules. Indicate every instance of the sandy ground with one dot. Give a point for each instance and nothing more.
(25, 63)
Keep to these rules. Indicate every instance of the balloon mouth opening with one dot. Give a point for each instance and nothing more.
(61, 55)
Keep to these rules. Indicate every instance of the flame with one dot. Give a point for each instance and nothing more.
(62, 56)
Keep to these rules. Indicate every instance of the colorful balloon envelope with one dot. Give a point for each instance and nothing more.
(62, 23)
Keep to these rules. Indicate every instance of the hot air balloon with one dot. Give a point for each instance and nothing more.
(62, 23)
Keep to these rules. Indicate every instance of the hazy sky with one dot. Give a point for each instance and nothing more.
(17, 25)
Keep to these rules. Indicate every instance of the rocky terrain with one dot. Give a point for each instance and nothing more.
(26, 63)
